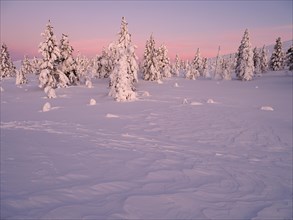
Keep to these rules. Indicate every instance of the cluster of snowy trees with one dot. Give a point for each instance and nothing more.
(156, 63)
(118, 62)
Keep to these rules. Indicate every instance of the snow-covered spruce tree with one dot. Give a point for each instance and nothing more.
(7, 68)
(125, 67)
(176, 66)
(67, 62)
(50, 75)
(164, 61)
(226, 72)
(204, 69)
(277, 58)
(263, 60)
(102, 65)
(256, 60)
(191, 72)
(82, 68)
(20, 77)
(151, 68)
(125, 43)
(289, 58)
(121, 87)
(36, 66)
(244, 64)
(197, 62)
(25, 69)
(26, 66)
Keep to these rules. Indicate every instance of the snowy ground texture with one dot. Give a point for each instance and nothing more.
(199, 149)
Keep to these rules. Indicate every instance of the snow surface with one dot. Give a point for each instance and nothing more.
(154, 158)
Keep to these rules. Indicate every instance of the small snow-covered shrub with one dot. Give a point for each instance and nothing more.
(146, 94)
(93, 102)
(46, 107)
(211, 101)
(89, 83)
(50, 92)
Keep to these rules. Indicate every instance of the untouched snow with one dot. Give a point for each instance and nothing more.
(154, 158)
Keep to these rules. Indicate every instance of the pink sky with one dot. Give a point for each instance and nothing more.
(183, 26)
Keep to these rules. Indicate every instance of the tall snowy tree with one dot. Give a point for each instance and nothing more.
(36, 66)
(256, 60)
(151, 68)
(124, 74)
(244, 64)
(289, 58)
(197, 61)
(190, 71)
(277, 58)
(82, 68)
(26, 66)
(176, 66)
(226, 71)
(50, 75)
(103, 64)
(263, 60)
(67, 62)
(164, 61)
(7, 68)
(121, 89)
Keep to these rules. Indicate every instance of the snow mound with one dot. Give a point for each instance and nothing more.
(50, 92)
(1, 89)
(160, 81)
(111, 116)
(176, 84)
(93, 102)
(195, 103)
(46, 107)
(211, 101)
(89, 84)
(146, 94)
(267, 108)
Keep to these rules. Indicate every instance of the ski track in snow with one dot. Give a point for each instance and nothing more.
(167, 161)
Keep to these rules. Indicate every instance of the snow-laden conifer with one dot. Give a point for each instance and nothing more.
(121, 89)
(197, 62)
(244, 64)
(36, 65)
(190, 71)
(226, 71)
(50, 75)
(25, 69)
(102, 64)
(82, 68)
(289, 58)
(7, 68)
(164, 61)
(256, 60)
(26, 66)
(125, 67)
(277, 57)
(204, 69)
(67, 62)
(176, 66)
(263, 60)
(151, 68)
(124, 42)
(20, 77)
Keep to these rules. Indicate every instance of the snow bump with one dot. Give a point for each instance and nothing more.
(267, 108)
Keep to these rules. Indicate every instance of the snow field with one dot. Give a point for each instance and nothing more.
(154, 158)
